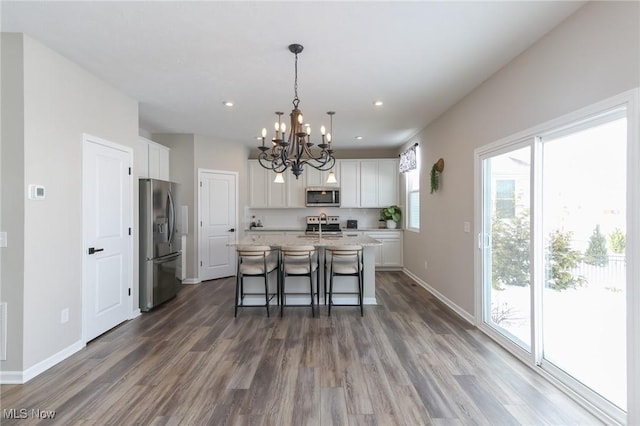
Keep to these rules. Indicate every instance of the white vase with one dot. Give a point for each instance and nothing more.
(391, 224)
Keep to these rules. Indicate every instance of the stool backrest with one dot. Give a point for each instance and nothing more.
(298, 252)
(345, 251)
(254, 252)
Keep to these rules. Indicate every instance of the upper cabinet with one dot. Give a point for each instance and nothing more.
(369, 183)
(315, 177)
(350, 183)
(154, 162)
(265, 193)
(258, 185)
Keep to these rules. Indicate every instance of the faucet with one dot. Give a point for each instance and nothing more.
(323, 216)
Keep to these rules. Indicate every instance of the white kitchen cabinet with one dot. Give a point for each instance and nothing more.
(258, 185)
(388, 182)
(295, 189)
(369, 183)
(319, 178)
(389, 254)
(350, 183)
(154, 161)
(378, 183)
(277, 192)
(265, 193)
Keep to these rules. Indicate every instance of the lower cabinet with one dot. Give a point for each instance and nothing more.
(389, 254)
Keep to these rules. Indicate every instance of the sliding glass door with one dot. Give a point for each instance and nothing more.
(553, 282)
(506, 241)
(584, 228)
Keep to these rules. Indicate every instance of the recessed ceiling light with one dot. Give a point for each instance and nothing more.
(359, 138)
(378, 103)
(227, 103)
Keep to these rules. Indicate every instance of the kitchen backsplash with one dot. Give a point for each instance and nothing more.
(296, 218)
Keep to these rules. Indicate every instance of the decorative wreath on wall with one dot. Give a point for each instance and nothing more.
(436, 170)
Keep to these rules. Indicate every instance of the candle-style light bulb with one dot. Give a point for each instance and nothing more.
(283, 128)
(264, 132)
(308, 130)
(322, 130)
(277, 126)
(300, 119)
(329, 137)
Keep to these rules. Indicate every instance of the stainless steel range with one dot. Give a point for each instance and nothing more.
(327, 225)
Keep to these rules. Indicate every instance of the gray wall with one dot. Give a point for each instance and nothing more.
(594, 54)
(12, 183)
(61, 102)
(181, 170)
(192, 152)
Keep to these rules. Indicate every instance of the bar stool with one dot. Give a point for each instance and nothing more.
(300, 261)
(344, 261)
(256, 261)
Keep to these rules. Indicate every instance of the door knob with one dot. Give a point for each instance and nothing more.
(93, 250)
(232, 230)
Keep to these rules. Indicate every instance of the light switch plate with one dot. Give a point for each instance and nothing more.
(467, 227)
(36, 192)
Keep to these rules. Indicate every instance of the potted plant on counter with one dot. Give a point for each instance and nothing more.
(392, 215)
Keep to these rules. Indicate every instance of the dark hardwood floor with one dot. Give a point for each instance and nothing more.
(408, 361)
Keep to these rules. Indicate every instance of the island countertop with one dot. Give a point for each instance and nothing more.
(304, 240)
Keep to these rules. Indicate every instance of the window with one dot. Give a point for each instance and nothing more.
(413, 197)
(505, 198)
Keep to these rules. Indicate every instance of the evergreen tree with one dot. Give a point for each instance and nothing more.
(510, 251)
(596, 253)
(617, 241)
(561, 260)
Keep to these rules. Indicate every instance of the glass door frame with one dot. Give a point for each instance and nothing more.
(483, 302)
(534, 359)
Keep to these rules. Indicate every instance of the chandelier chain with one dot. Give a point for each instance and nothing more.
(296, 101)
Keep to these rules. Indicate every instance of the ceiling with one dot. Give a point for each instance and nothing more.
(182, 60)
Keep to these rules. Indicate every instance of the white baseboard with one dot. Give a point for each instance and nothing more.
(135, 313)
(441, 297)
(188, 281)
(11, 377)
(21, 377)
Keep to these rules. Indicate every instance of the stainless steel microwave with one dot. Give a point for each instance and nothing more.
(317, 196)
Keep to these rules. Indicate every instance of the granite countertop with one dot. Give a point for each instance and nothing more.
(293, 240)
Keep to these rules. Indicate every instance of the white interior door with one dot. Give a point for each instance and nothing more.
(107, 187)
(217, 201)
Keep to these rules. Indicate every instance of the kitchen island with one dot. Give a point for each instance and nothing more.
(321, 242)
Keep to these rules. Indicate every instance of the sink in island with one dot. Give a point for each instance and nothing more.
(368, 244)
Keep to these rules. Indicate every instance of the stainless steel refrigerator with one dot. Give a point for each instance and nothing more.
(160, 251)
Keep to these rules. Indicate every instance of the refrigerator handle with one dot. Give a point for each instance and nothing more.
(172, 217)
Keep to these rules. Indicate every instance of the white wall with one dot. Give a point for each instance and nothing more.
(61, 102)
(592, 55)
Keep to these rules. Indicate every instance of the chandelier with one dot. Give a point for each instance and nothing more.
(295, 151)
